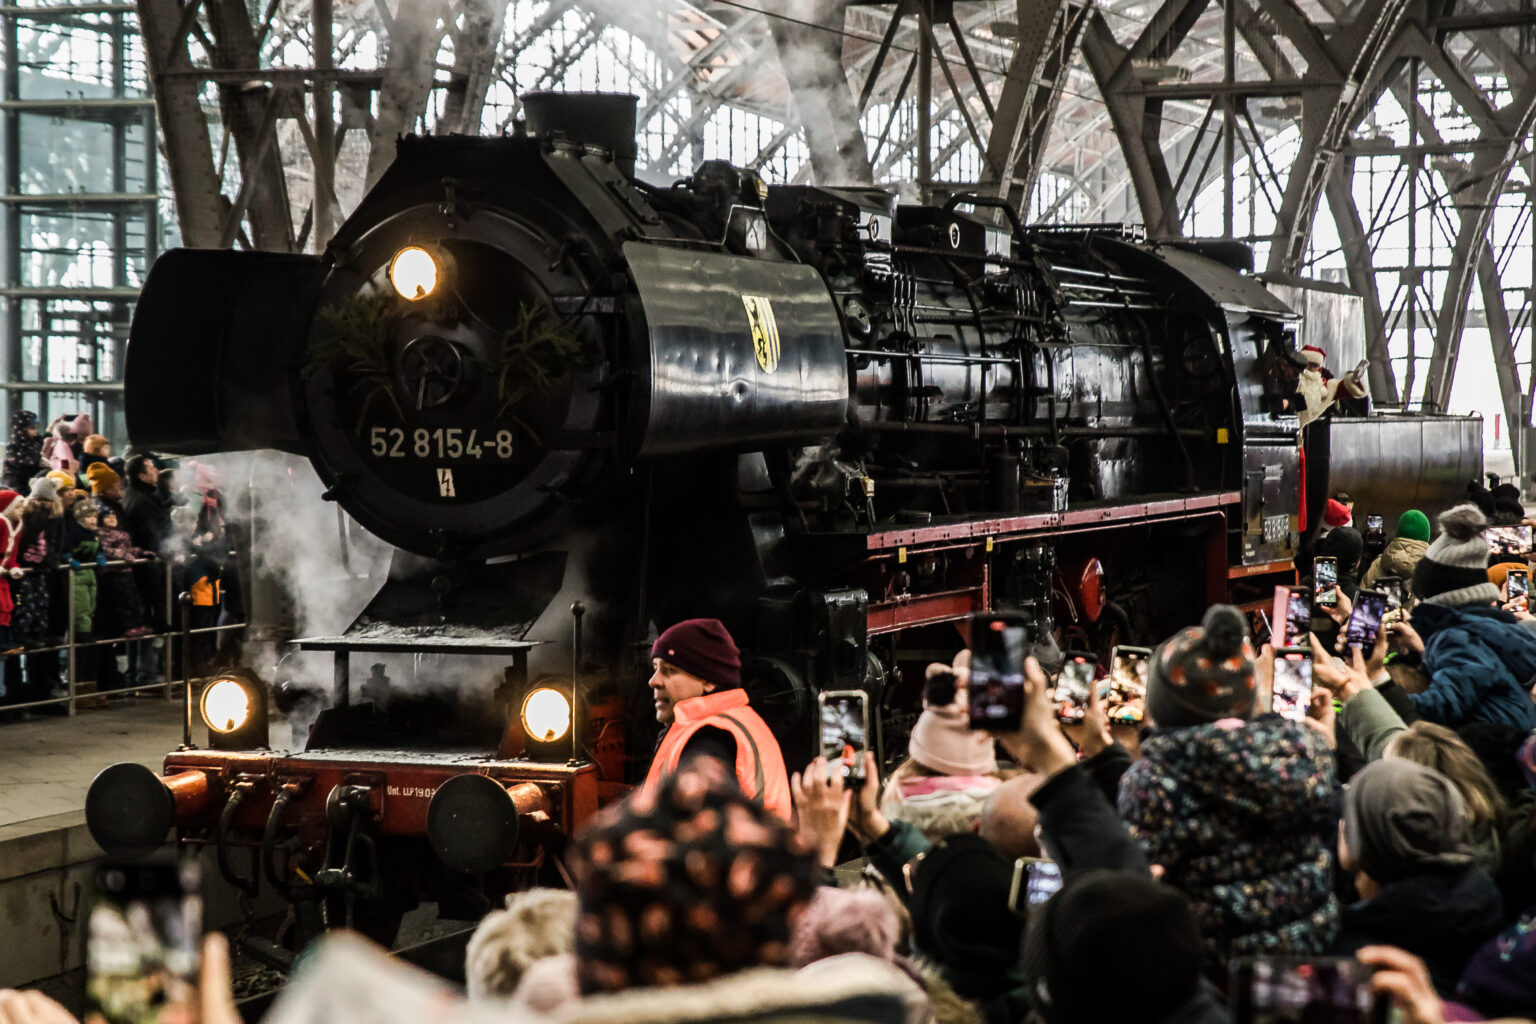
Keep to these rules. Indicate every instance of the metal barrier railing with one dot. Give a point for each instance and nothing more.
(168, 682)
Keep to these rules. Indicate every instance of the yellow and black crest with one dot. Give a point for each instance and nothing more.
(765, 331)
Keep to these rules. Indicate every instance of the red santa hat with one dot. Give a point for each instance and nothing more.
(1336, 514)
(7, 499)
(1313, 355)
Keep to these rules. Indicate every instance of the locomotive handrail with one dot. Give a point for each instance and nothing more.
(988, 202)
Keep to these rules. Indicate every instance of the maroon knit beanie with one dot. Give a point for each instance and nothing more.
(702, 648)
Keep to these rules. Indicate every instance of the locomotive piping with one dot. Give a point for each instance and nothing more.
(249, 886)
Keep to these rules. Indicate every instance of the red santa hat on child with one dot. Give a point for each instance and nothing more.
(1336, 514)
(7, 499)
(1313, 355)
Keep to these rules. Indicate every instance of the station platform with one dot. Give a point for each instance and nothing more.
(46, 766)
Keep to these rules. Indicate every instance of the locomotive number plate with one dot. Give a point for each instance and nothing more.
(464, 444)
(1276, 529)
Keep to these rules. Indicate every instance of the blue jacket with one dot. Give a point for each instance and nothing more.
(1480, 663)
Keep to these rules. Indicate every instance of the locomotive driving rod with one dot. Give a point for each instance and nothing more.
(1003, 430)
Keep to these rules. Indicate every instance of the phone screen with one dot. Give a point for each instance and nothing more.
(1365, 620)
(1392, 586)
(998, 646)
(1293, 683)
(1518, 587)
(1035, 880)
(1375, 523)
(1073, 688)
(1509, 540)
(1325, 577)
(845, 733)
(144, 943)
(1125, 699)
(1283, 990)
(1298, 618)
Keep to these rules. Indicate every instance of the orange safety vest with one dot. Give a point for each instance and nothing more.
(759, 762)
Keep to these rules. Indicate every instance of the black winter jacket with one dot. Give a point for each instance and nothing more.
(1440, 917)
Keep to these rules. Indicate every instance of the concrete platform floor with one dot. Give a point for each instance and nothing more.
(47, 764)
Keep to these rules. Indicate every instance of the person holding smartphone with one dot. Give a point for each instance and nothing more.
(951, 767)
(1410, 539)
(1234, 803)
(1479, 659)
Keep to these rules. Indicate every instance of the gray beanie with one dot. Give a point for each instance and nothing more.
(44, 488)
(1402, 819)
(1455, 568)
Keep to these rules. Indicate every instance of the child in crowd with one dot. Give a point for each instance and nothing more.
(57, 451)
(29, 562)
(1235, 804)
(24, 453)
(95, 449)
(83, 548)
(943, 785)
(120, 606)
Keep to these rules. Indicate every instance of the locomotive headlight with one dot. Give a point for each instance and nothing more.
(226, 705)
(413, 272)
(546, 715)
(234, 708)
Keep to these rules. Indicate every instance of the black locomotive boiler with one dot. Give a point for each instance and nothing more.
(583, 406)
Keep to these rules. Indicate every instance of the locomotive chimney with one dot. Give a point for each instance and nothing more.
(601, 118)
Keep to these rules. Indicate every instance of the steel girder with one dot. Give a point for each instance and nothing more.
(1048, 40)
(1510, 128)
(183, 124)
(475, 47)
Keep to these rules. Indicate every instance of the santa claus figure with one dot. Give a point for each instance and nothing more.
(1318, 390)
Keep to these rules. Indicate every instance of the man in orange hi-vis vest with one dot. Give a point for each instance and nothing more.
(697, 686)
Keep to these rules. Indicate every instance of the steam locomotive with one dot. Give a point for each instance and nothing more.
(583, 406)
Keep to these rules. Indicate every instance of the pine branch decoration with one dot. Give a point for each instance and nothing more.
(358, 343)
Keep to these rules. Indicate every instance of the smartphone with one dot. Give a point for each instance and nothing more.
(845, 733)
(1293, 682)
(1509, 540)
(1035, 880)
(144, 942)
(1263, 631)
(1292, 617)
(999, 642)
(1392, 586)
(1291, 990)
(1365, 620)
(1325, 580)
(1518, 586)
(1074, 687)
(1125, 700)
(1375, 528)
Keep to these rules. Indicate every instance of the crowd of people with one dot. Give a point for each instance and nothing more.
(1394, 828)
(1085, 873)
(86, 540)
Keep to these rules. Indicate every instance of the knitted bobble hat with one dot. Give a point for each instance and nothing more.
(1204, 673)
(1454, 570)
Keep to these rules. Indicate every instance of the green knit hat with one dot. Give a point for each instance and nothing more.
(1414, 525)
